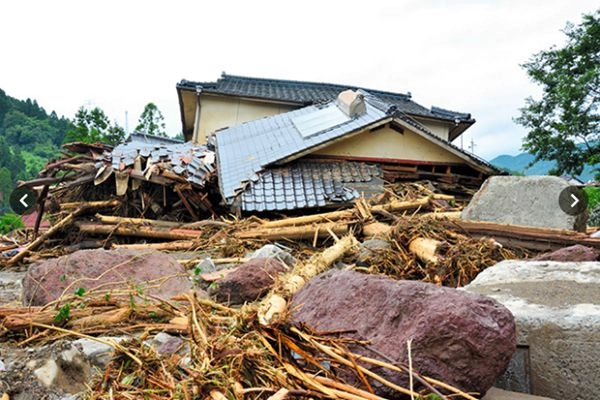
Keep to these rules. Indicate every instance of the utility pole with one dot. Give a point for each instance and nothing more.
(472, 146)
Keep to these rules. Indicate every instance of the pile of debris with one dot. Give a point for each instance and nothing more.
(149, 196)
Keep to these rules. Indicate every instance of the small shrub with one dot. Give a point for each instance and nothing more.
(9, 222)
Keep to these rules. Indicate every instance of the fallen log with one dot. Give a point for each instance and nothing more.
(376, 229)
(532, 238)
(295, 232)
(109, 219)
(425, 249)
(138, 231)
(87, 205)
(394, 205)
(274, 304)
(179, 245)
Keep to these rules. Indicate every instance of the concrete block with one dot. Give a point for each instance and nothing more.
(557, 310)
(523, 200)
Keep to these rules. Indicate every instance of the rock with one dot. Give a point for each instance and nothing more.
(523, 200)
(166, 345)
(574, 253)
(249, 281)
(557, 310)
(460, 338)
(49, 372)
(145, 272)
(274, 251)
(10, 287)
(98, 354)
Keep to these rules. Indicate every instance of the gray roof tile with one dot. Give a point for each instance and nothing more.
(193, 162)
(246, 149)
(309, 184)
(311, 93)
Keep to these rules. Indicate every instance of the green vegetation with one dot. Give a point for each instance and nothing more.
(593, 196)
(564, 125)
(10, 222)
(92, 126)
(151, 121)
(30, 137)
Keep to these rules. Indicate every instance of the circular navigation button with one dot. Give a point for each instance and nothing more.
(572, 200)
(22, 200)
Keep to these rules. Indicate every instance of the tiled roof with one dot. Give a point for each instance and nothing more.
(307, 93)
(307, 184)
(193, 162)
(245, 150)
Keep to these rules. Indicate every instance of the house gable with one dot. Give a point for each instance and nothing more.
(390, 145)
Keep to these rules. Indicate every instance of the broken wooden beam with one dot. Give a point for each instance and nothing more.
(532, 238)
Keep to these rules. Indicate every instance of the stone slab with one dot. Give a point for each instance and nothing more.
(523, 200)
(499, 394)
(557, 309)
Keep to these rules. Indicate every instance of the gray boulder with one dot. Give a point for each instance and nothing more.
(144, 272)
(463, 339)
(523, 200)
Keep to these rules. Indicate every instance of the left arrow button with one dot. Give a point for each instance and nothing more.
(22, 200)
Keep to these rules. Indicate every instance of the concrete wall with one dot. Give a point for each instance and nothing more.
(221, 112)
(390, 144)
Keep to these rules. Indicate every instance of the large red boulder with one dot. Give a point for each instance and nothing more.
(249, 282)
(461, 338)
(572, 253)
(142, 272)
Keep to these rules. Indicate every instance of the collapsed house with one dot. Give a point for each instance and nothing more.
(285, 145)
(255, 145)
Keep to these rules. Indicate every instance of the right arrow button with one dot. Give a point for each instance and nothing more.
(572, 200)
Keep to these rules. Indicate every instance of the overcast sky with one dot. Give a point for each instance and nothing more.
(462, 55)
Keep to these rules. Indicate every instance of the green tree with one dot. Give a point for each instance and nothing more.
(92, 126)
(6, 185)
(151, 122)
(564, 125)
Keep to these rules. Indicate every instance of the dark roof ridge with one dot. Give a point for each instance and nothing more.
(298, 82)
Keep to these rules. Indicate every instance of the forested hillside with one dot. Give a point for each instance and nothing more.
(29, 136)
